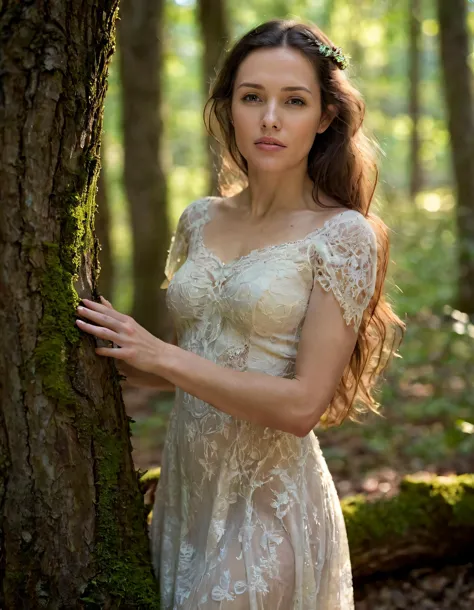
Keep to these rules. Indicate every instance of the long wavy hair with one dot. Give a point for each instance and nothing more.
(341, 162)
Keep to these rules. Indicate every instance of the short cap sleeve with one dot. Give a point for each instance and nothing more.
(191, 217)
(344, 260)
(178, 249)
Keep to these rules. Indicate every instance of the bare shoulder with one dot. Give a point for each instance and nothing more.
(226, 203)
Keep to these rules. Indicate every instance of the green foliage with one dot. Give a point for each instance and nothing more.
(423, 253)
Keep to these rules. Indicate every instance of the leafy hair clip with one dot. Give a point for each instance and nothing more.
(335, 54)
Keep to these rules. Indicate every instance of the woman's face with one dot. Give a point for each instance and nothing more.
(276, 94)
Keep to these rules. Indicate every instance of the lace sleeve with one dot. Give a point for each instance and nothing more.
(178, 249)
(344, 260)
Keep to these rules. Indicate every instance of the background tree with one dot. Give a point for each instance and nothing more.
(71, 515)
(415, 55)
(457, 80)
(214, 28)
(141, 63)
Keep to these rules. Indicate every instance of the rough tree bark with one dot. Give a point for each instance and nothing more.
(102, 226)
(214, 28)
(454, 50)
(72, 521)
(140, 50)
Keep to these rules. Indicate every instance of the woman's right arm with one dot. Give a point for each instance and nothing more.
(140, 379)
(163, 384)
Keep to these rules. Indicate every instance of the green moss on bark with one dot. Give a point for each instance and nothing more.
(57, 332)
(124, 570)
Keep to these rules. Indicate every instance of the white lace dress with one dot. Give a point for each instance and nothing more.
(247, 517)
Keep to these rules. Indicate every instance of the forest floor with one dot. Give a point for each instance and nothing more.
(426, 427)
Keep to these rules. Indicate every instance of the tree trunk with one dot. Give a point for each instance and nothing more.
(414, 169)
(454, 50)
(215, 34)
(102, 225)
(141, 57)
(71, 516)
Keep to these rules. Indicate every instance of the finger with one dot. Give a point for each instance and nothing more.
(99, 331)
(111, 352)
(104, 309)
(103, 319)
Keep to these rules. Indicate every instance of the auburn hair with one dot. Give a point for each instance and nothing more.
(341, 162)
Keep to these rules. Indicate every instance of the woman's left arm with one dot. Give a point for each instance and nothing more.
(341, 292)
(292, 405)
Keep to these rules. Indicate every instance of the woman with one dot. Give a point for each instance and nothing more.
(275, 292)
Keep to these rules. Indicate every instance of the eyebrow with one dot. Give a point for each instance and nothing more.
(257, 86)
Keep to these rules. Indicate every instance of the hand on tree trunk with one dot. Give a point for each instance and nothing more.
(133, 344)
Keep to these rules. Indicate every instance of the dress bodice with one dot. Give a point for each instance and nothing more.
(248, 313)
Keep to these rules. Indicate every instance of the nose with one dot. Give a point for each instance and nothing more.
(270, 116)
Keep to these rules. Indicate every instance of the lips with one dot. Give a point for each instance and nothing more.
(270, 141)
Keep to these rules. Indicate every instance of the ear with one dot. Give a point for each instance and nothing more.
(327, 118)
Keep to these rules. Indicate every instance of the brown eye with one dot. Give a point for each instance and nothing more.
(249, 95)
(297, 99)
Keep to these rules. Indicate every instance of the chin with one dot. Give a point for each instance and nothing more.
(268, 165)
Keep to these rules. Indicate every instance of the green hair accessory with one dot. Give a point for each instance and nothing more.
(334, 53)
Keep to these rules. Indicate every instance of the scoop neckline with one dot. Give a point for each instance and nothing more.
(207, 218)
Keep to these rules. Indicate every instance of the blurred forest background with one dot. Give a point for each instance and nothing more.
(155, 162)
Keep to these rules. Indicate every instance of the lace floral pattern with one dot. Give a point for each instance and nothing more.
(247, 517)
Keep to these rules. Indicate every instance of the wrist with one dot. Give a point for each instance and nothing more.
(165, 361)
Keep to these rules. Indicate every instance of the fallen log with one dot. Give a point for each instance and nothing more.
(429, 519)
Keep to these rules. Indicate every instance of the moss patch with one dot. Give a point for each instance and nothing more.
(57, 332)
(124, 571)
(425, 504)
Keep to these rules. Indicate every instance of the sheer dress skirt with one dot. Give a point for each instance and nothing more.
(246, 518)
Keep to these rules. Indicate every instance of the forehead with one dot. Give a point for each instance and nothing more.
(282, 66)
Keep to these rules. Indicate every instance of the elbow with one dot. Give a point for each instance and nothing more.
(306, 427)
(307, 416)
